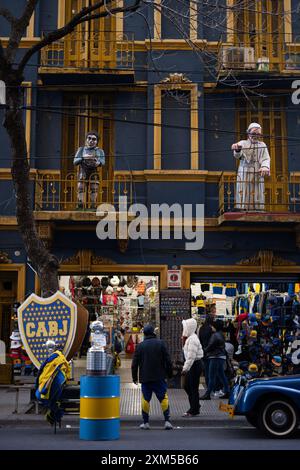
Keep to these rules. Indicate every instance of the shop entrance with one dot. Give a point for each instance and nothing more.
(124, 303)
(261, 318)
(8, 295)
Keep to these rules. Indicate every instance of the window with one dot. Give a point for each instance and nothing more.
(175, 132)
(260, 25)
(270, 115)
(175, 19)
(92, 44)
(181, 26)
(176, 121)
(85, 113)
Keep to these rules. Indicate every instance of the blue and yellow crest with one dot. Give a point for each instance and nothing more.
(41, 319)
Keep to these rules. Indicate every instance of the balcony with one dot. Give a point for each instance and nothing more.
(251, 200)
(55, 196)
(259, 57)
(58, 196)
(95, 54)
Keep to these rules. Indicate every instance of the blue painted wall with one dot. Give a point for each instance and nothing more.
(295, 7)
(212, 20)
(140, 25)
(173, 25)
(16, 8)
(175, 131)
(131, 137)
(219, 131)
(219, 248)
(47, 17)
(293, 133)
(48, 131)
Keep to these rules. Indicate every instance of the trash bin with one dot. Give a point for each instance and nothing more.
(99, 407)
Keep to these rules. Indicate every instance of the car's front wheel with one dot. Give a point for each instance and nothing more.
(278, 418)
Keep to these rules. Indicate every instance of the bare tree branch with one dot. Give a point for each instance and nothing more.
(81, 17)
(19, 28)
(7, 15)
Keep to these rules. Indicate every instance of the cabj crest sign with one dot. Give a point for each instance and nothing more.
(41, 319)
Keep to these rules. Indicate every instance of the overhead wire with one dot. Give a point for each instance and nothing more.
(145, 123)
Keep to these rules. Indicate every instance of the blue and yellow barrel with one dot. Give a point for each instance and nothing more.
(99, 407)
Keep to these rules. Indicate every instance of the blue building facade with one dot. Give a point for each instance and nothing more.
(168, 98)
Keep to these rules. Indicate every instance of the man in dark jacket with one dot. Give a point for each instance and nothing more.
(205, 334)
(151, 361)
(216, 353)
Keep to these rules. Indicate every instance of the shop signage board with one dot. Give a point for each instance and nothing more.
(174, 278)
(175, 306)
(41, 319)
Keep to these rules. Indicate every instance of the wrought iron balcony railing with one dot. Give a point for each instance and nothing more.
(254, 193)
(88, 50)
(69, 193)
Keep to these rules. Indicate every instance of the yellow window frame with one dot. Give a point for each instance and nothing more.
(193, 22)
(158, 89)
(61, 16)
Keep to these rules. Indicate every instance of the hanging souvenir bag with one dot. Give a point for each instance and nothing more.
(130, 346)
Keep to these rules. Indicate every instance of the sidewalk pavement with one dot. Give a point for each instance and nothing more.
(130, 408)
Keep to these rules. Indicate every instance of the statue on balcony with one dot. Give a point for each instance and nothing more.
(254, 165)
(89, 158)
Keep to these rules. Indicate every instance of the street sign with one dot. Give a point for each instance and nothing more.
(174, 278)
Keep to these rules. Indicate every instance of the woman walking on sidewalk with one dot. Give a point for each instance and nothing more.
(192, 367)
(217, 359)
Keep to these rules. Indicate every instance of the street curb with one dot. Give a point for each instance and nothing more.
(132, 421)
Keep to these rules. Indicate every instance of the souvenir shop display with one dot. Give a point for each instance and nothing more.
(261, 322)
(205, 293)
(123, 303)
(17, 353)
(175, 306)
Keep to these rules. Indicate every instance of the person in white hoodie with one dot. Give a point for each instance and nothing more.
(192, 367)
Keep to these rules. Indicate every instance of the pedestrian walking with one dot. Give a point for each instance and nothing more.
(192, 366)
(152, 364)
(205, 333)
(216, 353)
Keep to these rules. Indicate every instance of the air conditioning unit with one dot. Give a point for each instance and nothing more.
(238, 58)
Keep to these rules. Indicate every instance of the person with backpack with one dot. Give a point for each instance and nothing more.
(151, 363)
(216, 353)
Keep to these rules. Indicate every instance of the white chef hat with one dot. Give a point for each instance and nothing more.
(253, 125)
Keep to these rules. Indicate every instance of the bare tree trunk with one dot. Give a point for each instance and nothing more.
(42, 261)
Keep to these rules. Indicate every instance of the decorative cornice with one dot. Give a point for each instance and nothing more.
(99, 260)
(175, 80)
(84, 259)
(123, 245)
(25, 43)
(72, 260)
(266, 260)
(4, 258)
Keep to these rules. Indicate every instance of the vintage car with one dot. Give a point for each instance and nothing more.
(269, 404)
